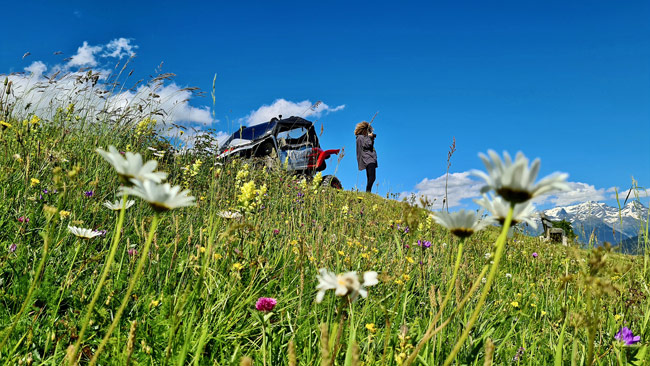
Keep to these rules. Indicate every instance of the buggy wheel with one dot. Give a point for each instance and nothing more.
(331, 181)
(266, 149)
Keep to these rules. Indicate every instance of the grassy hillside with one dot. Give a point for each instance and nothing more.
(195, 298)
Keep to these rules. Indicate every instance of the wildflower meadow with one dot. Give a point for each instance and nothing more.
(119, 246)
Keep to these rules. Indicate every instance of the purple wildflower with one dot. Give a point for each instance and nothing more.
(23, 219)
(12, 248)
(45, 191)
(625, 335)
(534, 254)
(424, 243)
(276, 231)
(132, 252)
(265, 304)
(89, 193)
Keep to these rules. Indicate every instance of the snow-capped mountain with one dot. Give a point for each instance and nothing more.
(607, 223)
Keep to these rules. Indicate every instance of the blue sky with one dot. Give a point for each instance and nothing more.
(568, 83)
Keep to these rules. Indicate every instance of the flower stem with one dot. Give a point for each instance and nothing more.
(501, 241)
(263, 342)
(134, 280)
(98, 289)
(429, 333)
(339, 332)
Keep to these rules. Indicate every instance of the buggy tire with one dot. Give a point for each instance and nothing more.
(331, 181)
(266, 149)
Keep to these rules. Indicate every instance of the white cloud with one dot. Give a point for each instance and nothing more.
(40, 93)
(579, 192)
(119, 48)
(85, 56)
(37, 68)
(459, 187)
(287, 109)
(623, 193)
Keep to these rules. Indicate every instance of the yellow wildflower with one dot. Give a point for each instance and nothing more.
(35, 120)
(217, 256)
(316, 181)
(371, 327)
(398, 282)
(237, 266)
(543, 313)
(341, 252)
(406, 277)
(5, 124)
(410, 260)
(618, 317)
(514, 304)
(154, 303)
(202, 249)
(35, 182)
(64, 214)
(533, 305)
(247, 195)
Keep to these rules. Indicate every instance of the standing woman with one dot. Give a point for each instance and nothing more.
(366, 154)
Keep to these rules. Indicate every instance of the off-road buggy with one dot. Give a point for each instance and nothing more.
(291, 141)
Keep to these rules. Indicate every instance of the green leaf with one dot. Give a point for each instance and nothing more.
(560, 345)
(639, 359)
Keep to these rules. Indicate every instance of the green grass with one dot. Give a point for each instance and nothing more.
(195, 301)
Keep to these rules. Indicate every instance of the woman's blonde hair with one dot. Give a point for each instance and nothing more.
(362, 128)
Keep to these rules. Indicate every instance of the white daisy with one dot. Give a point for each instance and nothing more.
(344, 284)
(161, 197)
(515, 181)
(462, 223)
(83, 233)
(499, 208)
(130, 166)
(229, 214)
(117, 205)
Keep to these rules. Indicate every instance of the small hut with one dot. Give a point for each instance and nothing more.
(552, 234)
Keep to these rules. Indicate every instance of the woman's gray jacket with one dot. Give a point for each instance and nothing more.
(366, 153)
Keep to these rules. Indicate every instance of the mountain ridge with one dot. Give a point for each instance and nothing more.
(599, 222)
